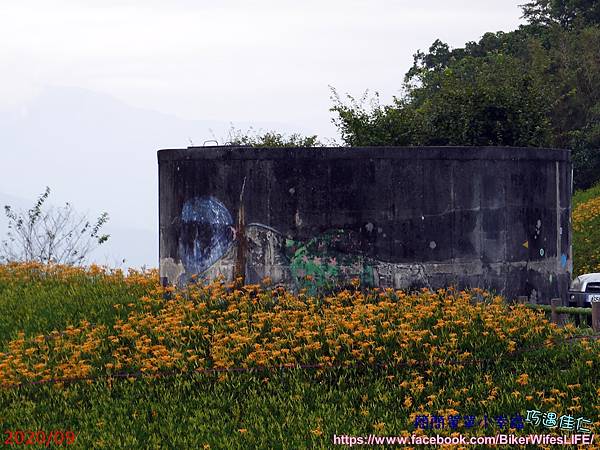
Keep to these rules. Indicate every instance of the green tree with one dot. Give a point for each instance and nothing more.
(366, 122)
(494, 100)
(534, 86)
(568, 14)
(472, 101)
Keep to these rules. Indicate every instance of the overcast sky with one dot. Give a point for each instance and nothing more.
(229, 61)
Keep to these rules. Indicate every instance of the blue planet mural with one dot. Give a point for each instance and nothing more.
(207, 233)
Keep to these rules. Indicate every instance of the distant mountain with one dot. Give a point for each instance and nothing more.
(100, 155)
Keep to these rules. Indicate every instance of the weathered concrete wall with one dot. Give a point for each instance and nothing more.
(496, 218)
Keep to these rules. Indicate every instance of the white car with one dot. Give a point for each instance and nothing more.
(585, 290)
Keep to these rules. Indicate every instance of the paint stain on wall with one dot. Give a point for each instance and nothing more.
(563, 260)
(207, 233)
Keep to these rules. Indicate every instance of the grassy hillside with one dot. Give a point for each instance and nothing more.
(154, 369)
(37, 299)
(586, 231)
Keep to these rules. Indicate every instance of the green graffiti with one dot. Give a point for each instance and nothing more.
(367, 277)
(312, 270)
(320, 265)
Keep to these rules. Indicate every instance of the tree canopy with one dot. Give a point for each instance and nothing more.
(535, 86)
(568, 14)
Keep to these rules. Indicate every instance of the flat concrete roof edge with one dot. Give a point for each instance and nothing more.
(327, 153)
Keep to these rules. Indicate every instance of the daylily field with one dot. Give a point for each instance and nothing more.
(144, 366)
(122, 362)
(586, 231)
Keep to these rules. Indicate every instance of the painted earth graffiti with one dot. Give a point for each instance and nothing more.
(326, 261)
(208, 226)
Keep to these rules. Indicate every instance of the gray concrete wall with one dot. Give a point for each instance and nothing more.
(402, 217)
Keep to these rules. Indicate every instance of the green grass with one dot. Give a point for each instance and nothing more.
(277, 409)
(586, 242)
(38, 304)
(585, 195)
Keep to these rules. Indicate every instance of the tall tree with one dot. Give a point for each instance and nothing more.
(568, 14)
(535, 86)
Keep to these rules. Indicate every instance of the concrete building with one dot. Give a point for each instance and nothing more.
(403, 217)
